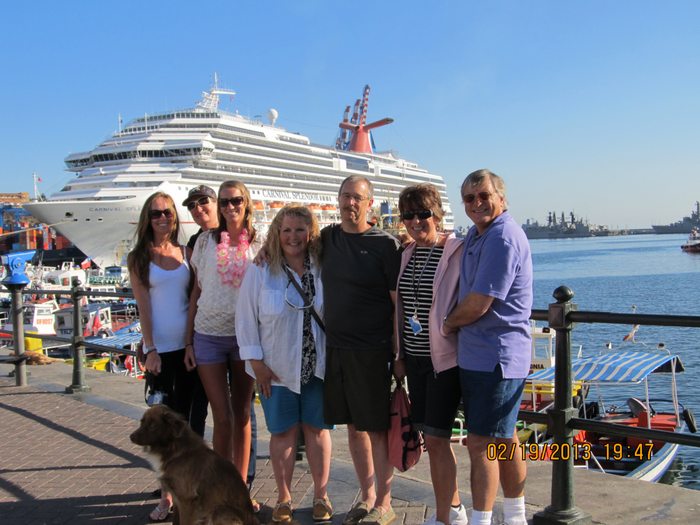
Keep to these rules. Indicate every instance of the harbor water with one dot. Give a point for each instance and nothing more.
(617, 274)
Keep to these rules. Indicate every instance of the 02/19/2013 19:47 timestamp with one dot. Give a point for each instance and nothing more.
(565, 451)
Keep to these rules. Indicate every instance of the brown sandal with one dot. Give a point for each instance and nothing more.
(282, 512)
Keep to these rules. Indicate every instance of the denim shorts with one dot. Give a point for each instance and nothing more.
(284, 409)
(214, 349)
(491, 403)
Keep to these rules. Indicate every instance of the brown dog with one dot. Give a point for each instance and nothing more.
(206, 488)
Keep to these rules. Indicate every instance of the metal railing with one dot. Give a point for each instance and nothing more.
(561, 420)
(77, 341)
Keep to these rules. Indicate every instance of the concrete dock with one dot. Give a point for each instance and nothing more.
(67, 458)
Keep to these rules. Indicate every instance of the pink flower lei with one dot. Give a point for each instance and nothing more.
(231, 261)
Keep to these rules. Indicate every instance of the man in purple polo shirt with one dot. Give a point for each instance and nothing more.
(492, 316)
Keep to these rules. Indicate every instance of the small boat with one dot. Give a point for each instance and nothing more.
(692, 245)
(96, 317)
(635, 458)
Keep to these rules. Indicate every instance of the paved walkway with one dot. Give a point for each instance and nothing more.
(68, 459)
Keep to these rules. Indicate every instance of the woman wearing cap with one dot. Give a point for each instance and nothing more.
(160, 277)
(220, 260)
(280, 335)
(201, 203)
(427, 291)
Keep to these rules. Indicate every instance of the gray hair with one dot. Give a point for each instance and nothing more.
(357, 178)
(476, 178)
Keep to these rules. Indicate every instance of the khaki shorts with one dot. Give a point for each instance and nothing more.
(357, 388)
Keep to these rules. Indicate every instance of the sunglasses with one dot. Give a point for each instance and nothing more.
(236, 201)
(421, 214)
(294, 300)
(202, 201)
(156, 214)
(470, 197)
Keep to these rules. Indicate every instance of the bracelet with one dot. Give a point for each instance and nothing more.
(189, 344)
(147, 349)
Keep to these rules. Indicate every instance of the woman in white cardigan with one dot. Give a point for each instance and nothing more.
(283, 344)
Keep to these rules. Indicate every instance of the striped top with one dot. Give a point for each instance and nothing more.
(416, 289)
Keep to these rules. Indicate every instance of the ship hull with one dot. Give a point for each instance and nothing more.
(102, 231)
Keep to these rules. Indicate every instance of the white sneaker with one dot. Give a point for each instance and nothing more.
(458, 516)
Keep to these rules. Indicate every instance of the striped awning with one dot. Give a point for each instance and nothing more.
(117, 341)
(616, 367)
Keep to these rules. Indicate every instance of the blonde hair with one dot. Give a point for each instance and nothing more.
(273, 245)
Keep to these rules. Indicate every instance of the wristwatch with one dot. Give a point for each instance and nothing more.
(147, 349)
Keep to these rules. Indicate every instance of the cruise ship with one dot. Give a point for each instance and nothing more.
(98, 208)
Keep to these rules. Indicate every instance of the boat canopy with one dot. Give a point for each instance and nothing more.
(618, 367)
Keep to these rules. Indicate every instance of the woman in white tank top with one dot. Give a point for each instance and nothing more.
(160, 277)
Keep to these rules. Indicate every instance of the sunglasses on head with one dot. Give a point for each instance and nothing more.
(202, 201)
(236, 201)
(156, 214)
(471, 197)
(421, 214)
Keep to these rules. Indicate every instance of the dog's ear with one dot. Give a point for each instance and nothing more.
(176, 423)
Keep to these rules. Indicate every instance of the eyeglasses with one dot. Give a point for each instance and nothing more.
(202, 201)
(470, 197)
(156, 214)
(235, 201)
(421, 214)
(296, 299)
(353, 197)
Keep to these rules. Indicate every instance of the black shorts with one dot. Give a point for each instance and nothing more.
(357, 388)
(434, 397)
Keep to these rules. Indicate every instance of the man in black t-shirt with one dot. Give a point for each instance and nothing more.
(360, 266)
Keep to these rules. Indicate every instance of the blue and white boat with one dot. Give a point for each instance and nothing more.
(628, 456)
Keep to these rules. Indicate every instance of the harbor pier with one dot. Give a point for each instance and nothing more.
(67, 458)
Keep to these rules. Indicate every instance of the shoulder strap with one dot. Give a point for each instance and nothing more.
(314, 313)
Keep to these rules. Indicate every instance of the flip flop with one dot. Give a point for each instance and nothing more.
(161, 512)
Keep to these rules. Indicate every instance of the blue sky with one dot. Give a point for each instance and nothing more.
(587, 106)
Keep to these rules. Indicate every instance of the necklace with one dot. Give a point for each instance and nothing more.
(413, 321)
(231, 261)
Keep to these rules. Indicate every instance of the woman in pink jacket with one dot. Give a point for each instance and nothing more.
(427, 291)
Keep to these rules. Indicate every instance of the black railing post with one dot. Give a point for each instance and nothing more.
(15, 282)
(18, 332)
(78, 344)
(562, 510)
